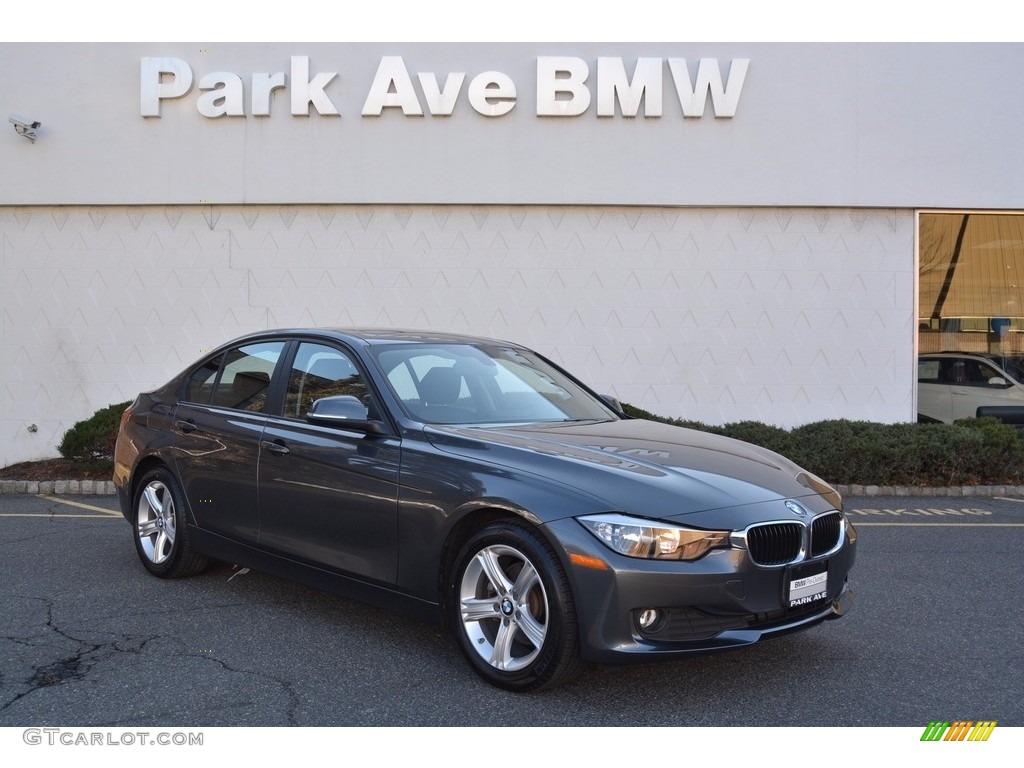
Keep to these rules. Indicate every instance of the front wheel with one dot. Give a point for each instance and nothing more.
(161, 528)
(512, 610)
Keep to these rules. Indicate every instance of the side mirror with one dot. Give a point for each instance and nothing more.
(343, 411)
(614, 404)
(998, 381)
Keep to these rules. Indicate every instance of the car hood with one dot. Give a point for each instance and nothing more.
(638, 466)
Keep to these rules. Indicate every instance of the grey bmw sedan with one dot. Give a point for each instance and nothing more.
(474, 482)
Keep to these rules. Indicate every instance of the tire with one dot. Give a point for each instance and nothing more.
(160, 527)
(512, 610)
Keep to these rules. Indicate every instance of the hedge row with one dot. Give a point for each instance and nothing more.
(969, 452)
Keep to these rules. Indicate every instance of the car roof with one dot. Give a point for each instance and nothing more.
(1011, 366)
(373, 336)
(976, 355)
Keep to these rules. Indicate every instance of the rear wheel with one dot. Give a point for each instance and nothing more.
(512, 609)
(161, 529)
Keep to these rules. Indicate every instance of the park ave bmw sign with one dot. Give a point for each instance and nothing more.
(564, 88)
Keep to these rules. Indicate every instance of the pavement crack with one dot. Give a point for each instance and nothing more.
(73, 666)
(291, 711)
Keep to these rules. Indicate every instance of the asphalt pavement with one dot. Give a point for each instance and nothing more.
(88, 638)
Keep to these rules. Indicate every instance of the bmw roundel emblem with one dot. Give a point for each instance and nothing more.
(795, 508)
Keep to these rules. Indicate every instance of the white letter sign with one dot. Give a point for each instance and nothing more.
(573, 80)
(223, 100)
(155, 87)
(492, 94)
(724, 100)
(612, 82)
(392, 87)
(440, 102)
(306, 91)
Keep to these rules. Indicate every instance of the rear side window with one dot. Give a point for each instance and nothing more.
(240, 378)
(200, 384)
(928, 371)
(244, 381)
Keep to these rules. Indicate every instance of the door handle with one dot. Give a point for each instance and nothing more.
(274, 447)
(185, 426)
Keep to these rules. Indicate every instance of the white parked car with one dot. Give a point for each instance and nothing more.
(953, 385)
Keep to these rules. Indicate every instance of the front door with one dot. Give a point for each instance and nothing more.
(329, 495)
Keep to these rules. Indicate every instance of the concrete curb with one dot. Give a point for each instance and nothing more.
(956, 490)
(58, 487)
(106, 488)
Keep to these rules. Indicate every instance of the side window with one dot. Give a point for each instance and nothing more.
(245, 376)
(955, 372)
(928, 371)
(986, 374)
(967, 372)
(200, 384)
(321, 371)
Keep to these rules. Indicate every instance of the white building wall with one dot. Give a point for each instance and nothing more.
(782, 315)
(865, 125)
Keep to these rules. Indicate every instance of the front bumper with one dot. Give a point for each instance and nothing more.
(720, 601)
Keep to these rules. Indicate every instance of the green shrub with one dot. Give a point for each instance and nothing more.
(639, 413)
(93, 439)
(843, 452)
(1001, 454)
(766, 435)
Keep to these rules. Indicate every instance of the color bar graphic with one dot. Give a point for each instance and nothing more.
(958, 730)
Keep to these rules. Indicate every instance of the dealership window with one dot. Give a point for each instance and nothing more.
(971, 287)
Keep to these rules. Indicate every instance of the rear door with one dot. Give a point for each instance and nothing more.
(219, 423)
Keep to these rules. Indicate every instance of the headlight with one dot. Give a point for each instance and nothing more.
(635, 537)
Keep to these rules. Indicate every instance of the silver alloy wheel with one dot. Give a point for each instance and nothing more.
(504, 607)
(154, 522)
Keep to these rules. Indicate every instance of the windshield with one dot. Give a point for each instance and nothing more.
(483, 384)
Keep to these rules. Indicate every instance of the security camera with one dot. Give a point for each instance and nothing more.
(25, 126)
